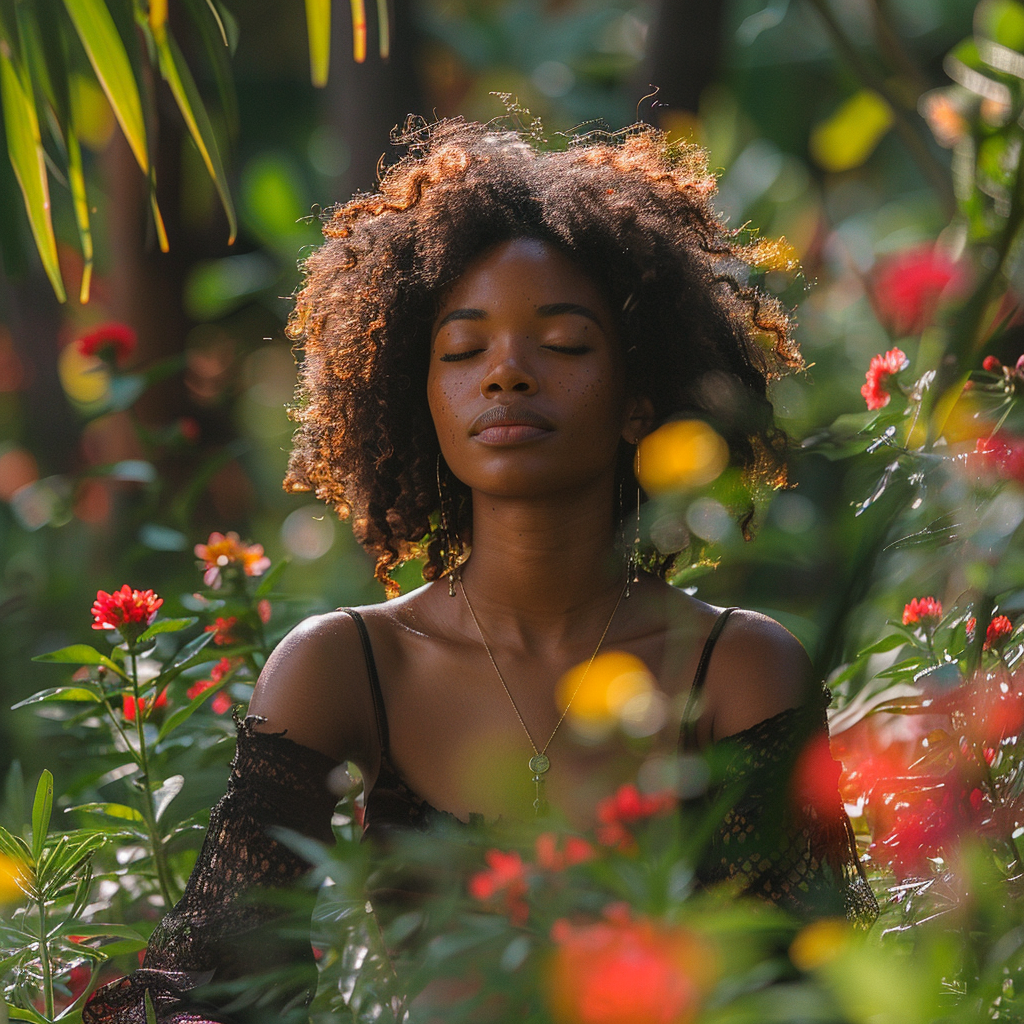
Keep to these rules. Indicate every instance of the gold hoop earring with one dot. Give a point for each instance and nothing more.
(449, 556)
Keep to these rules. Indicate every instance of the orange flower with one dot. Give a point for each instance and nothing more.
(114, 342)
(144, 705)
(875, 389)
(221, 630)
(224, 550)
(996, 633)
(505, 876)
(623, 971)
(126, 610)
(923, 610)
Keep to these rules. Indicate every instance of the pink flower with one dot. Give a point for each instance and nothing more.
(907, 288)
(875, 389)
(126, 610)
(264, 611)
(923, 610)
(114, 342)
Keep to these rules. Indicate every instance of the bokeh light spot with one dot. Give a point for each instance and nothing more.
(85, 379)
(308, 533)
(681, 455)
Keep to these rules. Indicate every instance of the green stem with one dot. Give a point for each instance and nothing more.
(148, 814)
(44, 959)
(934, 172)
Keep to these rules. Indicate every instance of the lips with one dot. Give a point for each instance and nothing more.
(504, 424)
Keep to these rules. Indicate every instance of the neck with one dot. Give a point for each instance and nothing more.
(540, 568)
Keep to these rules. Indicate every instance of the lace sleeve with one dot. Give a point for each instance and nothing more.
(216, 931)
(783, 832)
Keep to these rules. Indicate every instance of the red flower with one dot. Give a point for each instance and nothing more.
(220, 703)
(504, 877)
(875, 389)
(574, 851)
(923, 610)
(998, 630)
(145, 706)
(908, 286)
(221, 630)
(224, 550)
(815, 780)
(200, 687)
(264, 611)
(626, 806)
(623, 971)
(991, 364)
(114, 342)
(126, 610)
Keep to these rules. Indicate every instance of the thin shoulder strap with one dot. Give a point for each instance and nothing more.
(371, 670)
(688, 730)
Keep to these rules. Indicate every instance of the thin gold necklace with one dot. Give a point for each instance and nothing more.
(540, 762)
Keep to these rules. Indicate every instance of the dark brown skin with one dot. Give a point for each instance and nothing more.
(525, 329)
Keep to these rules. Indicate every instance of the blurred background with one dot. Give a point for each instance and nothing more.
(110, 474)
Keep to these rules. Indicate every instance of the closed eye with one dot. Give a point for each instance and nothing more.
(457, 357)
(570, 350)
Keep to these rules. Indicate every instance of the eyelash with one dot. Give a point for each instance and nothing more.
(570, 350)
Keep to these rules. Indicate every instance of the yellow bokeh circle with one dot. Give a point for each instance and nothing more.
(11, 881)
(614, 679)
(819, 943)
(85, 379)
(681, 455)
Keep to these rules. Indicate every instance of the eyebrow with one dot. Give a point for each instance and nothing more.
(552, 309)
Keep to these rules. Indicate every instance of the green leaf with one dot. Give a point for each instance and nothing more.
(25, 149)
(41, 809)
(80, 654)
(122, 931)
(77, 693)
(318, 26)
(177, 75)
(183, 714)
(167, 626)
(887, 643)
(150, 1011)
(184, 657)
(106, 53)
(271, 577)
(23, 1013)
(111, 810)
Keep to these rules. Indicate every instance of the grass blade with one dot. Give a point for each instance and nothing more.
(318, 27)
(42, 807)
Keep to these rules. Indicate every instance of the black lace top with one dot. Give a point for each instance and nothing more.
(802, 857)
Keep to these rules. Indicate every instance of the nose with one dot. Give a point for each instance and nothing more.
(510, 371)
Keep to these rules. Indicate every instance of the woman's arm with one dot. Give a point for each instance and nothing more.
(305, 718)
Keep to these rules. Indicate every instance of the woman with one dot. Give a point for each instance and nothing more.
(486, 341)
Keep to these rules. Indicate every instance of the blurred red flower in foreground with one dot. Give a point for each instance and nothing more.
(626, 806)
(221, 701)
(908, 285)
(1002, 453)
(114, 342)
(626, 971)
(224, 550)
(144, 705)
(126, 610)
(815, 780)
(575, 850)
(875, 390)
(923, 610)
(221, 630)
(505, 877)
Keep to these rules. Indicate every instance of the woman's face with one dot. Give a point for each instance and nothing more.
(526, 385)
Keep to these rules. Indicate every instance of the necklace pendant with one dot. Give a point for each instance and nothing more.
(540, 804)
(539, 764)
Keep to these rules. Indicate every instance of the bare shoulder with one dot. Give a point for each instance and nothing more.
(315, 686)
(757, 669)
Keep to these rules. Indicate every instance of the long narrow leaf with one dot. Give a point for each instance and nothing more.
(318, 27)
(215, 38)
(42, 806)
(358, 30)
(383, 29)
(177, 75)
(25, 148)
(106, 53)
(76, 179)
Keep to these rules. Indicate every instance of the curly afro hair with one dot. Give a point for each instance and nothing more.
(634, 211)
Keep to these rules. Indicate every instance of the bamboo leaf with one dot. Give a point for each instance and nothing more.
(183, 87)
(106, 53)
(25, 149)
(318, 26)
(42, 806)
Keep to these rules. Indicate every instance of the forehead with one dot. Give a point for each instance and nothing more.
(523, 270)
